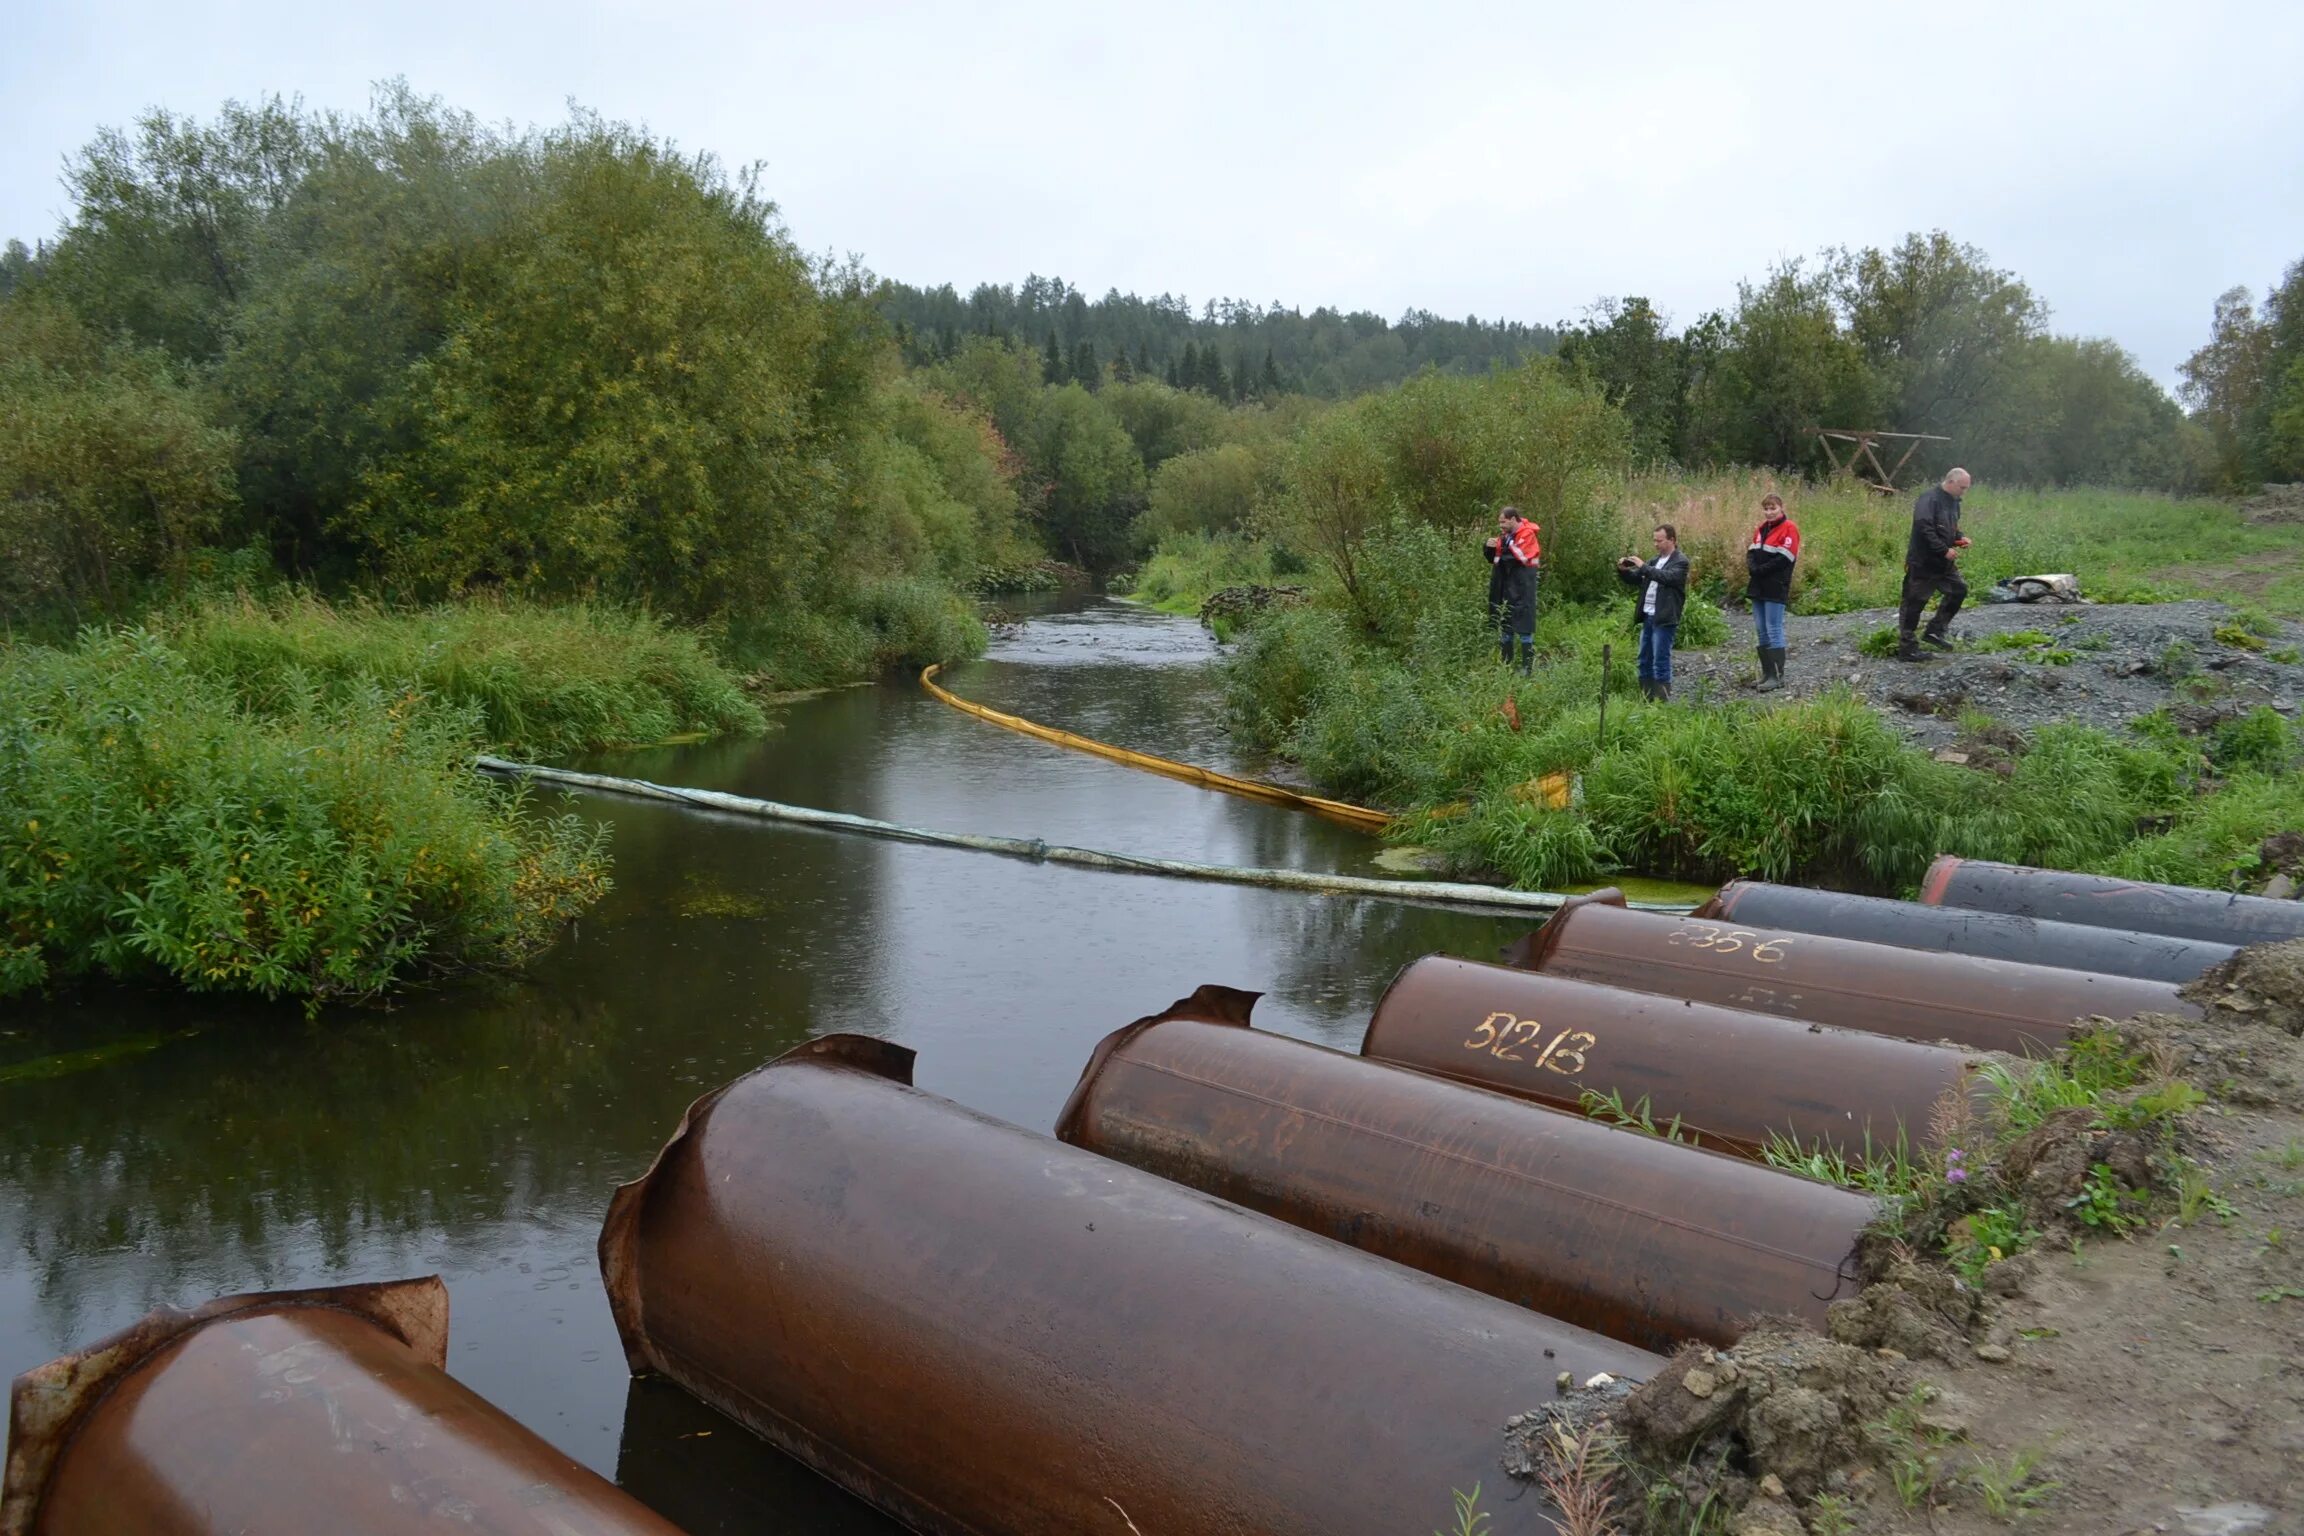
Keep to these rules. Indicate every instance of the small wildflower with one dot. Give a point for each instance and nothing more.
(1956, 1175)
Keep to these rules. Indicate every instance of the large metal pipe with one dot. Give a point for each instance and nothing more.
(2099, 901)
(1990, 1005)
(1730, 1077)
(288, 1412)
(980, 1329)
(1962, 931)
(1611, 1229)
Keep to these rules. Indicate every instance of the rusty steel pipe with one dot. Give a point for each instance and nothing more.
(1607, 1228)
(2099, 901)
(1730, 1077)
(1989, 1005)
(288, 1412)
(1962, 931)
(979, 1329)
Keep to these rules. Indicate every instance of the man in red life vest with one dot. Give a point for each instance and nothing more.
(1768, 582)
(1514, 557)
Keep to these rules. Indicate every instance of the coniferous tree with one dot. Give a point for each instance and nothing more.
(1271, 374)
(1188, 371)
(1084, 367)
(1123, 371)
(1143, 361)
(1174, 375)
(1212, 379)
(1052, 369)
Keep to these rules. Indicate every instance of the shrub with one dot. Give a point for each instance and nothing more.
(331, 846)
(917, 621)
(1281, 671)
(543, 681)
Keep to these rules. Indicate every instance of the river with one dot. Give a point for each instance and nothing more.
(168, 1150)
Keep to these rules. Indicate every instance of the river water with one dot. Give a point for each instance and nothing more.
(165, 1151)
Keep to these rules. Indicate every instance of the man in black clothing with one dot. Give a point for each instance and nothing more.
(1931, 566)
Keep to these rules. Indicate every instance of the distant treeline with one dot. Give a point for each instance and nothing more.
(1230, 349)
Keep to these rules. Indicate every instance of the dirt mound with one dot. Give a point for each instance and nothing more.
(2275, 504)
(1782, 1417)
(2264, 982)
(1918, 1313)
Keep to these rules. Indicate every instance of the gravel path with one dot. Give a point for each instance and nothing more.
(2102, 665)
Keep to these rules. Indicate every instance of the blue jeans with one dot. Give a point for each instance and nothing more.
(1656, 651)
(1769, 619)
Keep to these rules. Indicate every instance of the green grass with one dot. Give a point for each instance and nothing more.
(1186, 568)
(332, 845)
(545, 681)
(2125, 546)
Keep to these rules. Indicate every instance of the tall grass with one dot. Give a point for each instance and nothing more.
(332, 844)
(544, 681)
(2125, 546)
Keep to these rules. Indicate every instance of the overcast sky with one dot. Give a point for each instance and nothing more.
(2129, 161)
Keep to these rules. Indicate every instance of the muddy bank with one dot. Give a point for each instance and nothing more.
(2138, 1366)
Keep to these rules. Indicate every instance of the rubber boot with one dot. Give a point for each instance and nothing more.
(1935, 637)
(1768, 682)
(1908, 648)
(1664, 692)
(1504, 648)
(1778, 658)
(1527, 657)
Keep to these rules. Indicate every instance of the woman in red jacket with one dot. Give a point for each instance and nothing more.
(1768, 566)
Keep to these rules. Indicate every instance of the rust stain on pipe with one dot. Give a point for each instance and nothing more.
(1646, 1241)
(288, 1411)
(1730, 1076)
(1989, 1005)
(2181, 911)
(1964, 931)
(979, 1329)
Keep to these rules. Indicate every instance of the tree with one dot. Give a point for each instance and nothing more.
(1094, 481)
(18, 264)
(2224, 384)
(1210, 490)
(168, 223)
(1787, 369)
(1625, 349)
(1945, 335)
(1272, 385)
(677, 438)
(1052, 369)
(1188, 371)
(111, 471)
(1084, 369)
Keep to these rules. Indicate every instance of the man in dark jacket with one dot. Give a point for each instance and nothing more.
(1932, 565)
(1514, 558)
(1663, 587)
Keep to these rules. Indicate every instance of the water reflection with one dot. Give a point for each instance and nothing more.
(478, 1130)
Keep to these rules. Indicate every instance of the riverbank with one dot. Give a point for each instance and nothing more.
(2082, 1317)
(2152, 740)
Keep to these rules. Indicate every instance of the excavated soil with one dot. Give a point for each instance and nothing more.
(2092, 1385)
